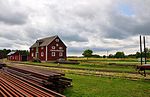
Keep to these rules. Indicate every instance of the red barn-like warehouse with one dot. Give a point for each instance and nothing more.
(14, 56)
(17, 56)
(48, 49)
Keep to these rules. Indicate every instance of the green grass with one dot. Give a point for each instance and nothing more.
(110, 59)
(89, 66)
(90, 86)
(121, 65)
(116, 60)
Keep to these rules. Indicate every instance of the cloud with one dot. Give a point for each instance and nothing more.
(81, 24)
(74, 37)
(127, 24)
(11, 13)
(4, 43)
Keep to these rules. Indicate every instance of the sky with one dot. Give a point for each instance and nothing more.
(100, 25)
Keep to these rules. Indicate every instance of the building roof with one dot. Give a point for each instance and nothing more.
(12, 52)
(44, 41)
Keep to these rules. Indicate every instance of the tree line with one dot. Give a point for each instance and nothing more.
(89, 53)
(5, 52)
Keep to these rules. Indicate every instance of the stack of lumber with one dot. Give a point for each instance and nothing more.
(12, 85)
(53, 80)
(2, 65)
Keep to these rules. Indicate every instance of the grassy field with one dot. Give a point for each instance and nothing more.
(90, 86)
(114, 85)
(89, 66)
(122, 65)
(107, 59)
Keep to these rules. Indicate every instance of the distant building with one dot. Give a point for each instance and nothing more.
(48, 49)
(17, 56)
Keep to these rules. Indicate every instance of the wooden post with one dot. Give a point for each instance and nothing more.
(141, 48)
(144, 49)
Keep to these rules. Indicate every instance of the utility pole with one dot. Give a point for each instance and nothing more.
(141, 48)
(144, 48)
(107, 53)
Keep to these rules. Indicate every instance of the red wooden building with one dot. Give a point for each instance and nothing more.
(48, 49)
(17, 56)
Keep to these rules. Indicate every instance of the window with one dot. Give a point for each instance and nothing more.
(42, 48)
(32, 55)
(32, 49)
(53, 53)
(60, 54)
(57, 45)
(42, 54)
(53, 47)
(57, 40)
(60, 48)
(16, 57)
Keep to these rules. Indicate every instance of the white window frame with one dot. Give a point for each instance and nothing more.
(32, 54)
(60, 48)
(57, 40)
(60, 54)
(53, 54)
(53, 47)
(42, 54)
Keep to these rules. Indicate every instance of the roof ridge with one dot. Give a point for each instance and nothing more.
(48, 37)
(45, 41)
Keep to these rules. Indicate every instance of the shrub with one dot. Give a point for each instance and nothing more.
(36, 60)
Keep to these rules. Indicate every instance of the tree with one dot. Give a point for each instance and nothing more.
(23, 52)
(119, 55)
(87, 53)
(4, 52)
(148, 53)
(138, 54)
(111, 56)
(96, 56)
(131, 56)
(104, 56)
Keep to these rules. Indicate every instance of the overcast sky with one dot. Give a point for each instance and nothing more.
(100, 25)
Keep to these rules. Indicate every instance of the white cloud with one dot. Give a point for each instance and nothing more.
(100, 25)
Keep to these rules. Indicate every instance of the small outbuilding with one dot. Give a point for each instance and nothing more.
(17, 56)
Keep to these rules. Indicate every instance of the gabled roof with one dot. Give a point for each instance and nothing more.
(44, 41)
(12, 52)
